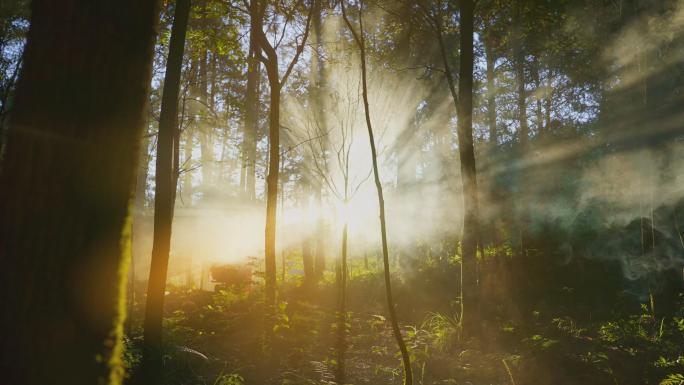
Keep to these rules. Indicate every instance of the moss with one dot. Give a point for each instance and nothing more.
(116, 364)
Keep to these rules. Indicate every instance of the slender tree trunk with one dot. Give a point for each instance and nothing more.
(307, 252)
(272, 182)
(360, 41)
(469, 241)
(187, 174)
(539, 113)
(319, 80)
(4, 98)
(523, 128)
(138, 216)
(65, 189)
(493, 190)
(548, 102)
(319, 263)
(205, 126)
(251, 118)
(164, 198)
(491, 96)
(341, 348)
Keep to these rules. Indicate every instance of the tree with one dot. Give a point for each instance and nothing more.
(523, 127)
(249, 150)
(470, 238)
(341, 181)
(360, 42)
(166, 176)
(463, 101)
(270, 60)
(319, 88)
(66, 184)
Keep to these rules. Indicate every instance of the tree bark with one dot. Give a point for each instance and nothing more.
(307, 241)
(491, 96)
(523, 129)
(272, 180)
(548, 102)
(205, 127)
(318, 68)
(319, 263)
(257, 10)
(164, 198)
(469, 241)
(65, 189)
(539, 113)
(187, 190)
(251, 119)
(340, 375)
(138, 215)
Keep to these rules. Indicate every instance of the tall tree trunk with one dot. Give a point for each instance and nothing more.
(493, 190)
(360, 41)
(186, 189)
(257, 10)
(307, 249)
(523, 128)
(405, 146)
(65, 190)
(340, 375)
(307, 259)
(251, 118)
(272, 181)
(491, 96)
(548, 101)
(138, 215)
(164, 198)
(319, 262)
(539, 113)
(205, 126)
(318, 78)
(4, 99)
(470, 313)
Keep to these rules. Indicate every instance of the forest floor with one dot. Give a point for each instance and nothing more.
(219, 338)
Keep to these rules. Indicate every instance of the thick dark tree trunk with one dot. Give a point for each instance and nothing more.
(65, 190)
(469, 241)
(164, 198)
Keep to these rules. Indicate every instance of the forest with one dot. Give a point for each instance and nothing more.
(415, 192)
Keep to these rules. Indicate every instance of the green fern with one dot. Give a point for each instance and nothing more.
(673, 379)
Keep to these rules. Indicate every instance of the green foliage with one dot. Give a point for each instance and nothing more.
(229, 379)
(443, 330)
(673, 379)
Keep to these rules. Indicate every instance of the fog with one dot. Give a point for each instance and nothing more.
(623, 159)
